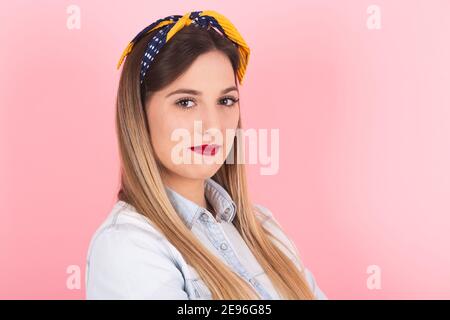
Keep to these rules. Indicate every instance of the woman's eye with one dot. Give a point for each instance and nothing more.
(228, 101)
(188, 103)
(185, 103)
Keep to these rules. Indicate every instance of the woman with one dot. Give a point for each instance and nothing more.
(186, 229)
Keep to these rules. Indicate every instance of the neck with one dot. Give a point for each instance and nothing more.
(191, 189)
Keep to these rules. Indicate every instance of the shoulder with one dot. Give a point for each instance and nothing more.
(262, 212)
(123, 227)
(283, 241)
(129, 258)
(270, 223)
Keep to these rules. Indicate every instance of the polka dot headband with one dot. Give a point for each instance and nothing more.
(170, 25)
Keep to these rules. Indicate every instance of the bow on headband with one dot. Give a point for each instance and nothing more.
(170, 25)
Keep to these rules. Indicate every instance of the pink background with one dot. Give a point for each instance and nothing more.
(364, 119)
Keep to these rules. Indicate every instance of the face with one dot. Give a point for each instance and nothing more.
(199, 109)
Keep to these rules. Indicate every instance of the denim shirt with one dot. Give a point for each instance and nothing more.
(128, 258)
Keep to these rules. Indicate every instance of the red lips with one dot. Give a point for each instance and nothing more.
(206, 149)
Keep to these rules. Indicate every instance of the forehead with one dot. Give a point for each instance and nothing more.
(210, 71)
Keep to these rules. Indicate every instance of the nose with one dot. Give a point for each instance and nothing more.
(210, 121)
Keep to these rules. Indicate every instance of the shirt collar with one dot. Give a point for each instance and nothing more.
(217, 196)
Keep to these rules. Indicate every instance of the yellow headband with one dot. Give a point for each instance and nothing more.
(172, 24)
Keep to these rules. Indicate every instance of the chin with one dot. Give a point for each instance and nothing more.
(198, 171)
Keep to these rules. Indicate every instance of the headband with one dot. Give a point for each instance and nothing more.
(170, 25)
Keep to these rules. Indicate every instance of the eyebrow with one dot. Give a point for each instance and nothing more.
(198, 93)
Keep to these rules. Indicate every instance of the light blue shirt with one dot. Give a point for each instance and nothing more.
(128, 258)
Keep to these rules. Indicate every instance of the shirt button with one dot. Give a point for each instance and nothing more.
(223, 246)
(204, 216)
(226, 214)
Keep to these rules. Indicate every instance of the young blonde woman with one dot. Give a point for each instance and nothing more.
(186, 229)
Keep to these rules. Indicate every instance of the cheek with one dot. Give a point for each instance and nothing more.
(159, 130)
(165, 133)
(231, 119)
(229, 126)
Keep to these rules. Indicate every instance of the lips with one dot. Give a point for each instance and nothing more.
(206, 149)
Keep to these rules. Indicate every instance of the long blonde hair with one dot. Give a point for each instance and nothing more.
(142, 187)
